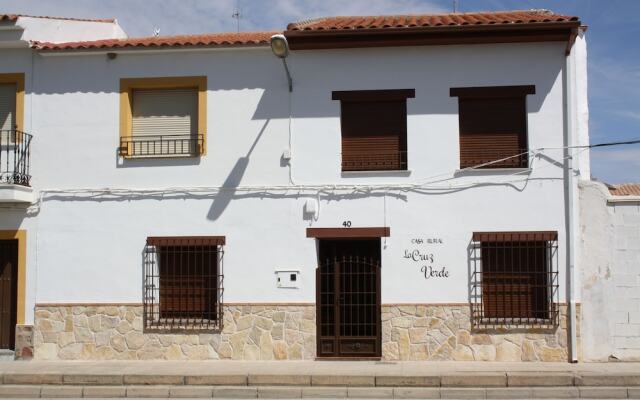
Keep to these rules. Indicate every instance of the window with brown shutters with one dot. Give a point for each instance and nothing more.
(515, 279)
(493, 126)
(183, 283)
(374, 129)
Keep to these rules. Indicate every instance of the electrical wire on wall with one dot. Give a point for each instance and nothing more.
(423, 187)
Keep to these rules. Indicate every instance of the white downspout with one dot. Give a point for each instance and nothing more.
(570, 113)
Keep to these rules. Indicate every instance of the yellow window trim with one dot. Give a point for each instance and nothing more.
(128, 85)
(18, 79)
(21, 235)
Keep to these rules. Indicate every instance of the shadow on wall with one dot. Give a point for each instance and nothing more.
(223, 198)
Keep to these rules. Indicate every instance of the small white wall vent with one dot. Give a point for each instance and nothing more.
(287, 278)
(311, 207)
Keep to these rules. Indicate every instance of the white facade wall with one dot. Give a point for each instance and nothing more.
(611, 277)
(85, 246)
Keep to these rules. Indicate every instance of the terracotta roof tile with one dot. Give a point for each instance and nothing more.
(211, 39)
(9, 17)
(430, 20)
(14, 17)
(626, 189)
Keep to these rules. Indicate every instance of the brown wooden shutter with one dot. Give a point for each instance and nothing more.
(493, 126)
(514, 279)
(188, 276)
(374, 135)
(374, 129)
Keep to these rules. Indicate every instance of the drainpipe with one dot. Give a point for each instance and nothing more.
(570, 219)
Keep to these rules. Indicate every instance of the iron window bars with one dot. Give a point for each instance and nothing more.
(183, 283)
(15, 157)
(161, 145)
(514, 280)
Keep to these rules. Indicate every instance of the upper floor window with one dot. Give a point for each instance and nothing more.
(374, 129)
(493, 126)
(183, 283)
(163, 117)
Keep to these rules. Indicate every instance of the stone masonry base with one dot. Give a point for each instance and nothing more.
(282, 332)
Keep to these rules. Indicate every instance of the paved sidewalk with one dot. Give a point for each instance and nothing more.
(369, 368)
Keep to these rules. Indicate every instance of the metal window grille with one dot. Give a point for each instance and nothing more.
(15, 157)
(514, 281)
(161, 145)
(183, 283)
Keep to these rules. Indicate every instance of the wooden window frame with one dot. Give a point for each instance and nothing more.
(385, 95)
(18, 80)
(201, 285)
(128, 85)
(496, 92)
(520, 277)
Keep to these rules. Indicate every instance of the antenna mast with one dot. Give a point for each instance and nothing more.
(455, 6)
(237, 14)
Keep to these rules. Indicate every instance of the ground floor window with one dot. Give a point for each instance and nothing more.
(514, 280)
(183, 283)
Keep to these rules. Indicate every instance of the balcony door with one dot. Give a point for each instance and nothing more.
(8, 292)
(348, 298)
(7, 107)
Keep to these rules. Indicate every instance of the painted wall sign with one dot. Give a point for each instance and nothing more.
(423, 252)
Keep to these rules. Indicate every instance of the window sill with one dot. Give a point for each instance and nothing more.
(366, 174)
(492, 171)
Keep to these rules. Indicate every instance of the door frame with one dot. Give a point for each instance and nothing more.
(347, 234)
(21, 236)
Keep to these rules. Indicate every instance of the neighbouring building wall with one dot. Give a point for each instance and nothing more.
(610, 263)
(58, 30)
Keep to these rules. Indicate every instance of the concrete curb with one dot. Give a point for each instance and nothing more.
(308, 392)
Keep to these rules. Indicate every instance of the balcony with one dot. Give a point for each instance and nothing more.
(158, 146)
(14, 167)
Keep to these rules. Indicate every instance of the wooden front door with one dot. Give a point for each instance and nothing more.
(8, 293)
(348, 298)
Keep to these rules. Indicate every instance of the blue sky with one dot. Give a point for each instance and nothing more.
(614, 53)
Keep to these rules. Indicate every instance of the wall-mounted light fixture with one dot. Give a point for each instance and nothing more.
(112, 56)
(280, 48)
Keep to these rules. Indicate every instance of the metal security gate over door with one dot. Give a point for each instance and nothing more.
(348, 298)
(8, 292)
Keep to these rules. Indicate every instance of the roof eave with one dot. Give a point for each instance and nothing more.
(145, 49)
(433, 35)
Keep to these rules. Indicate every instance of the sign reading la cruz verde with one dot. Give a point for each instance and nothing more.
(423, 252)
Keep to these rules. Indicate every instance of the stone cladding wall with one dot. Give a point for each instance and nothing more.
(116, 333)
(282, 332)
(443, 332)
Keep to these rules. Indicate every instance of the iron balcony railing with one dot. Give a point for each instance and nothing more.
(161, 145)
(375, 161)
(14, 157)
(494, 158)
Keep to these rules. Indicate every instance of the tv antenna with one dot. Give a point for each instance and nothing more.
(156, 32)
(237, 14)
(456, 6)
